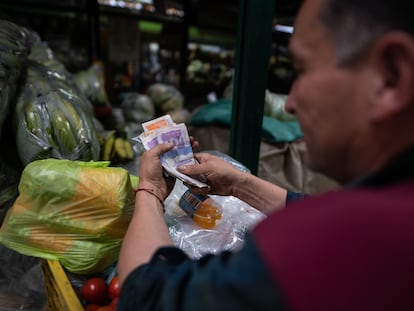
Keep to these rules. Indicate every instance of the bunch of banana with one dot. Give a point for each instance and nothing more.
(117, 148)
(50, 125)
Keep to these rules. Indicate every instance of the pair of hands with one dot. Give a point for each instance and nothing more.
(220, 175)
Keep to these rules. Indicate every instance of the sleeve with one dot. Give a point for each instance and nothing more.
(228, 281)
(293, 196)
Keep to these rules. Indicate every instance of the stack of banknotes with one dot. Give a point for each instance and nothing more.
(163, 130)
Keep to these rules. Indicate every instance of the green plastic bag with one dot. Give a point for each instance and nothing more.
(72, 211)
(273, 130)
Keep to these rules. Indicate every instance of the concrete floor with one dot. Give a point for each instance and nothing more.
(21, 282)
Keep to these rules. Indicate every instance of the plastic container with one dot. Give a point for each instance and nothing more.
(205, 211)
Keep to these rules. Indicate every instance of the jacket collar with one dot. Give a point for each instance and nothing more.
(400, 168)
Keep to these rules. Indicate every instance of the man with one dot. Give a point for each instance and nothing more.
(344, 250)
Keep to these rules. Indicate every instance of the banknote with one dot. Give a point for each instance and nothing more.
(163, 130)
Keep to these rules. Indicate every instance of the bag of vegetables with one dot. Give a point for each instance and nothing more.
(50, 121)
(15, 44)
(165, 97)
(72, 211)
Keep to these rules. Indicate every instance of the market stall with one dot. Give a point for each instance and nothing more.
(68, 162)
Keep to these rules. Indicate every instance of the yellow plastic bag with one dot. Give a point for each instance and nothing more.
(72, 211)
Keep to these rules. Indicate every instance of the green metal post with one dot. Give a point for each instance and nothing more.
(254, 39)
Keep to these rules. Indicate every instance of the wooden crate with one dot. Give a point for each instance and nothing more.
(60, 294)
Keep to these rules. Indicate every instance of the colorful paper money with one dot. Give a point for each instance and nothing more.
(163, 130)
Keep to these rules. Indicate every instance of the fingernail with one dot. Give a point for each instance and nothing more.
(182, 168)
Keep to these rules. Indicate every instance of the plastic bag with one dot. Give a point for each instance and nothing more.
(137, 107)
(91, 83)
(59, 77)
(275, 107)
(15, 43)
(50, 121)
(165, 97)
(72, 211)
(228, 234)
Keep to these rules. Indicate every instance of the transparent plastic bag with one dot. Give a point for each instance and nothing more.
(228, 234)
(275, 107)
(91, 83)
(50, 122)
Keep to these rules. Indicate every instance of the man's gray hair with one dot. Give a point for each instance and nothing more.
(356, 24)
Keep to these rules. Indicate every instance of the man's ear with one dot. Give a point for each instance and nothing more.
(394, 57)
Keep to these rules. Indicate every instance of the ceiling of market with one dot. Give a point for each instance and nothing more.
(223, 14)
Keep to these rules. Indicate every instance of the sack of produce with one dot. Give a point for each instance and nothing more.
(59, 77)
(165, 97)
(41, 53)
(274, 107)
(91, 83)
(15, 43)
(72, 211)
(50, 121)
(137, 107)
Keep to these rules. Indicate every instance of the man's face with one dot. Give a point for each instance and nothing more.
(328, 100)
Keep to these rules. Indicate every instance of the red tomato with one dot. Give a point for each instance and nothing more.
(105, 308)
(114, 290)
(92, 307)
(95, 290)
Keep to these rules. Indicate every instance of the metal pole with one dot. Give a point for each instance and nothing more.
(252, 59)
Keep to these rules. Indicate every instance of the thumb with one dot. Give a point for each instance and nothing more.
(162, 148)
(188, 169)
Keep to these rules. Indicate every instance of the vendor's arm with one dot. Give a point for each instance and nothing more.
(147, 230)
(225, 179)
(171, 281)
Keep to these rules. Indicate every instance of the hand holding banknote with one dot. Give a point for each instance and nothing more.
(162, 131)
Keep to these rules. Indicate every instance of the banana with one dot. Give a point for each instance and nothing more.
(101, 139)
(63, 134)
(82, 126)
(75, 121)
(116, 148)
(32, 119)
(47, 132)
(129, 150)
(108, 146)
(120, 150)
(38, 122)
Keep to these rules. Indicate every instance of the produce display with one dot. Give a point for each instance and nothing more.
(51, 115)
(69, 202)
(208, 72)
